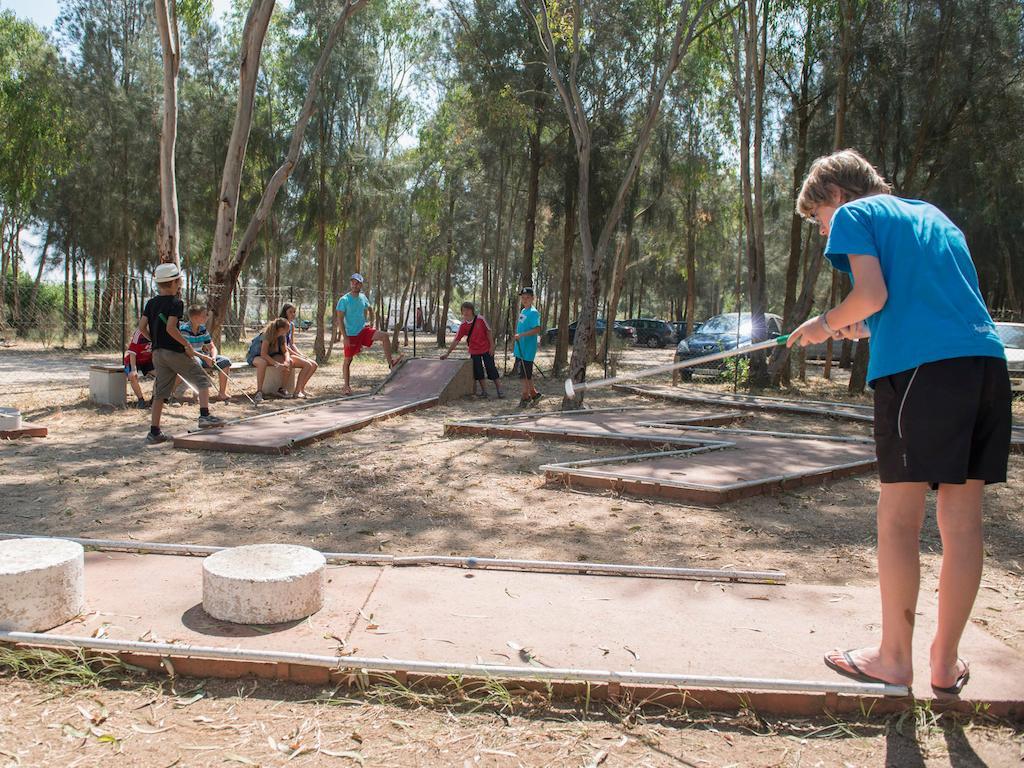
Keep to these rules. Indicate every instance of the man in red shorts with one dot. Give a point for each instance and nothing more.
(352, 318)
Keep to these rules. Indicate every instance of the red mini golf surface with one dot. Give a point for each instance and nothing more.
(850, 411)
(592, 622)
(703, 464)
(637, 426)
(418, 383)
(725, 466)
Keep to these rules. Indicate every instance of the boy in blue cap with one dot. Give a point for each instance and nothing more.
(942, 400)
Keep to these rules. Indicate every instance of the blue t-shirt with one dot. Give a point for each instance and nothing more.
(354, 307)
(526, 348)
(935, 310)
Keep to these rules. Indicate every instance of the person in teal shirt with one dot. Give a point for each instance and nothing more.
(942, 401)
(352, 318)
(526, 339)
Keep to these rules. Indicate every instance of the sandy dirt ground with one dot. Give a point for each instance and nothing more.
(400, 487)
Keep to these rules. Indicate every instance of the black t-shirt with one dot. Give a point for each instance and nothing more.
(157, 310)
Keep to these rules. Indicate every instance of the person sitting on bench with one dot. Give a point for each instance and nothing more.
(306, 366)
(139, 357)
(199, 339)
(268, 350)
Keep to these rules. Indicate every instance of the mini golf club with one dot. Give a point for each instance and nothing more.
(571, 388)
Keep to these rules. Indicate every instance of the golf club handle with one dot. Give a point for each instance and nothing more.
(571, 388)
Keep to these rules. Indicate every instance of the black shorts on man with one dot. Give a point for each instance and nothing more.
(484, 364)
(525, 368)
(944, 422)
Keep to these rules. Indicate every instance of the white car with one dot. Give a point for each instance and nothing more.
(1012, 335)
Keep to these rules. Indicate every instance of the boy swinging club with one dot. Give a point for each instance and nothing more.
(942, 400)
(352, 318)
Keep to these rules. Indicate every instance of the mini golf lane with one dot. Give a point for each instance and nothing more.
(634, 426)
(825, 408)
(688, 459)
(585, 622)
(722, 466)
(417, 383)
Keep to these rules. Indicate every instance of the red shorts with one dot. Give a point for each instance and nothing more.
(362, 340)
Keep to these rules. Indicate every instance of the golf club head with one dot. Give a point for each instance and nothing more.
(570, 390)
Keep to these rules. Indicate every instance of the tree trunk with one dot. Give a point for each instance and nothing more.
(565, 286)
(168, 228)
(221, 282)
(691, 261)
(618, 274)
(754, 88)
(33, 308)
(533, 189)
(449, 257)
(225, 268)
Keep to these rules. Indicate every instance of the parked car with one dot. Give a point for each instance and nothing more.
(621, 331)
(721, 332)
(679, 328)
(305, 325)
(453, 323)
(652, 333)
(1012, 335)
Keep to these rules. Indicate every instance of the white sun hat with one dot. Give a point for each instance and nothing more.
(164, 273)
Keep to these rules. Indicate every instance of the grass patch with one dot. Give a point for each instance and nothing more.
(71, 667)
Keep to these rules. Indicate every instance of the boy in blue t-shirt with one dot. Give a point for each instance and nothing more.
(199, 339)
(942, 400)
(526, 338)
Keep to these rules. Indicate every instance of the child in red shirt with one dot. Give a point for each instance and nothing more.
(139, 357)
(480, 340)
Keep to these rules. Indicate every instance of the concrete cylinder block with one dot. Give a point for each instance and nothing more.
(264, 583)
(42, 583)
(10, 419)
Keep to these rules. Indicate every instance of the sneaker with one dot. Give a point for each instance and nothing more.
(536, 397)
(258, 399)
(142, 405)
(210, 421)
(283, 393)
(501, 395)
(524, 402)
(482, 395)
(158, 438)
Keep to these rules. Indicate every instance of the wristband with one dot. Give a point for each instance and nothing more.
(824, 321)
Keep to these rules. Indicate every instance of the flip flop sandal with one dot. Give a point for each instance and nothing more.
(956, 687)
(857, 674)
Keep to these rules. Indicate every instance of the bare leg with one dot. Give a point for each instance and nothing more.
(900, 515)
(261, 372)
(222, 393)
(347, 389)
(307, 369)
(136, 387)
(158, 409)
(959, 516)
(204, 398)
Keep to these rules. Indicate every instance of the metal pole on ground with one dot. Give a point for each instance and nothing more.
(571, 387)
(380, 664)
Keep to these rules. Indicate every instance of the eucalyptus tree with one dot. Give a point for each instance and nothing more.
(33, 137)
(227, 258)
(673, 29)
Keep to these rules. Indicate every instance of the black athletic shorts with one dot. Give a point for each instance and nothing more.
(944, 422)
(484, 364)
(525, 368)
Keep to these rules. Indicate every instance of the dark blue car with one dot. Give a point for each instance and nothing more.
(721, 332)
